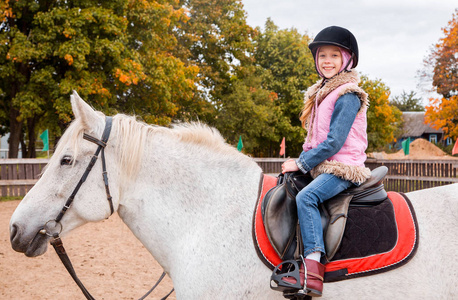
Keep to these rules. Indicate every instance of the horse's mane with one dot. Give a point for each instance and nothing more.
(132, 137)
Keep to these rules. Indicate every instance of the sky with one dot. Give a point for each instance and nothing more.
(394, 36)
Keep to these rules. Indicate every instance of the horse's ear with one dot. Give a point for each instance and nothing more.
(83, 111)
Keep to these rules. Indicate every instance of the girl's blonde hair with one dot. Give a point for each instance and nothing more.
(308, 106)
(307, 111)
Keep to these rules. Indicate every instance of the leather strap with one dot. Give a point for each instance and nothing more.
(60, 250)
(102, 144)
(317, 276)
(57, 242)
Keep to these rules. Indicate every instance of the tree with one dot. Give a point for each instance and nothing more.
(239, 82)
(44, 57)
(442, 113)
(168, 86)
(407, 102)
(440, 67)
(289, 71)
(217, 39)
(445, 60)
(249, 110)
(382, 119)
(49, 48)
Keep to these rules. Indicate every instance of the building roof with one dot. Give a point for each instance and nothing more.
(414, 124)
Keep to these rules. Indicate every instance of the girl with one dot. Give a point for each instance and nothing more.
(334, 115)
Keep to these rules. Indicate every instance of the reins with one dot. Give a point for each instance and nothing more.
(57, 242)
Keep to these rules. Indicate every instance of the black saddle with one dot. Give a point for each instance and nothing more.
(279, 211)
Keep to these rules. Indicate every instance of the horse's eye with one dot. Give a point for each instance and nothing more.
(66, 160)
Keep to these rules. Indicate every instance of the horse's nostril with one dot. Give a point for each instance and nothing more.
(16, 238)
(13, 232)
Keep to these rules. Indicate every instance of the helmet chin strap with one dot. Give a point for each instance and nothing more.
(349, 58)
(350, 61)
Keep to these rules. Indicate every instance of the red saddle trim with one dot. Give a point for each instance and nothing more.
(271, 258)
(404, 248)
(402, 252)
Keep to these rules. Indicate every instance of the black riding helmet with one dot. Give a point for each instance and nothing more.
(338, 36)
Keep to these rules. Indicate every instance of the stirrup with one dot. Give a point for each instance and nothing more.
(295, 295)
(287, 269)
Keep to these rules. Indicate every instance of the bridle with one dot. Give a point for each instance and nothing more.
(57, 242)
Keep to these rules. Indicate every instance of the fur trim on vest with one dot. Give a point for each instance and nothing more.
(354, 173)
(335, 82)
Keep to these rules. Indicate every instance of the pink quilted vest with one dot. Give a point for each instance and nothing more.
(353, 150)
(348, 163)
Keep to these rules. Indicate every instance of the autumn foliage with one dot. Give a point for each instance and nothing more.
(163, 61)
(104, 50)
(445, 77)
(443, 113)
(383, 119)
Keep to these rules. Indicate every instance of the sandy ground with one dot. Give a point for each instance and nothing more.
(107, 257)
(419, 149)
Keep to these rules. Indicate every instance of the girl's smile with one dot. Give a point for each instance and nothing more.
(329, 60)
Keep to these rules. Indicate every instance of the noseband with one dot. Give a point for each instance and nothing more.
(57, 242)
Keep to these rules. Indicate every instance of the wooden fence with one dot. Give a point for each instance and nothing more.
(17, 176)
(411, 175)
(403, 175)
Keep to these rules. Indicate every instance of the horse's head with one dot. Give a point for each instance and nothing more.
(45, 200)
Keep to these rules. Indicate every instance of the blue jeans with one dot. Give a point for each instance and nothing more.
(322, 188)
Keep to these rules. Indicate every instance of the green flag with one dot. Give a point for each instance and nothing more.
(44, 136)
(240, 144)
(406, 146)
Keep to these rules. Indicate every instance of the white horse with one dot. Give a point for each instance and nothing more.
(189, 198)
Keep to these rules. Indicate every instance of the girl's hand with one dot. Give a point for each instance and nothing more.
(289, 166)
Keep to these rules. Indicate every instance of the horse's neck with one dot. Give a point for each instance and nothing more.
(185, 198)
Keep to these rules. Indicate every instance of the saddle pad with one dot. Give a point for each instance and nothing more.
(369, 230)
(264, 249)
(373, 246)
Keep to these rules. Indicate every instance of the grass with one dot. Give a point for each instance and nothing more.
(43, 154)
(10, 198)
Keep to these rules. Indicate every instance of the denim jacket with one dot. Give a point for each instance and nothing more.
(343, 116)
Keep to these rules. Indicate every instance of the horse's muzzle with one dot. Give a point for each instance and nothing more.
(31, 246)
